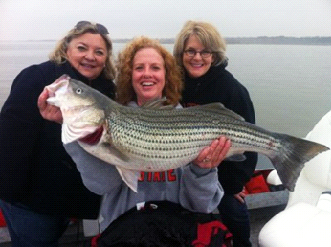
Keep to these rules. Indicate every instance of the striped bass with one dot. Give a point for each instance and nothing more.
(154, 138)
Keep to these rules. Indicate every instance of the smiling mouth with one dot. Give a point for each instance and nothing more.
(197, 65)
(147, 84)
(89, 66)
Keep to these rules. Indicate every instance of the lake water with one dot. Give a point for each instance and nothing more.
(290, 85)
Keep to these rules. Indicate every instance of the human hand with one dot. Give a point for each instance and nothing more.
(213, 155)
(241, 196)
(47, 111)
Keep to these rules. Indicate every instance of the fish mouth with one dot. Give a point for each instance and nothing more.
(75, 109)
(60, 86)
(63, 81)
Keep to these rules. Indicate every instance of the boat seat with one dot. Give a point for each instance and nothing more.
(307, 216)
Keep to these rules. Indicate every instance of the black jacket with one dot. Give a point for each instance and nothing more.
(35, 170)
(219, 85)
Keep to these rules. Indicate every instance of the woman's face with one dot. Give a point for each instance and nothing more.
(196, 66)
(87, 54)
(148, 75)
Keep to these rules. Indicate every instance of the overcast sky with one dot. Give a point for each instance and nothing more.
(51, 19)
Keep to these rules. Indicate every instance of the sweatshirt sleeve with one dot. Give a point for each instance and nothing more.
(20, 128)
(200, 190)
(97, 175)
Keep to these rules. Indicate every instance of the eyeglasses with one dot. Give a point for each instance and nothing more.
(101, 28)
(192, 53)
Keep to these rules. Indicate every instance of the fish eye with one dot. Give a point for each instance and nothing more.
(79, 90)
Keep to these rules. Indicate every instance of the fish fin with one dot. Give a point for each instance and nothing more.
(292, 155)
(219, 108)
(157, 104)
(130, 177)
(236, 158)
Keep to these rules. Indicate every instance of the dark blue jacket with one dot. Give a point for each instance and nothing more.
(35, 170)
(219, 85)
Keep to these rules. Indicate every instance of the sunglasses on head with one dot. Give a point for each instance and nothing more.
(101, 29)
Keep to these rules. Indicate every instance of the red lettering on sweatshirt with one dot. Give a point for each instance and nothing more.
(169, 176)
(159, 177)
(142, 177)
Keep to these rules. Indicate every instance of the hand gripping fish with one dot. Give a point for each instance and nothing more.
(154, 138)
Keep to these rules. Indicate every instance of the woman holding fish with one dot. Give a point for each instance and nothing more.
(200, 50)
(40, 186)
(147, 71)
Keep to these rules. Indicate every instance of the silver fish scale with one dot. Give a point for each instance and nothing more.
(166, 134)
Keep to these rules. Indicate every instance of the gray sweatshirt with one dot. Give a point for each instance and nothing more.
(196, 189)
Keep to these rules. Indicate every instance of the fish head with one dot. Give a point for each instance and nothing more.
(80, 106)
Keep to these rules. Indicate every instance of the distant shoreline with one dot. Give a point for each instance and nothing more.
(276, 40)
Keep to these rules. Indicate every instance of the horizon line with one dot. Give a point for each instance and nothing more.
(239, 37)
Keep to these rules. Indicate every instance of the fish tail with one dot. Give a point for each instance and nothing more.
(293, 153)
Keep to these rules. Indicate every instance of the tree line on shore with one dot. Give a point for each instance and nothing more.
(260, 40)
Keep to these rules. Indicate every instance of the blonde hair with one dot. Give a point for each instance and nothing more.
(207, 35)
(59, 55)
(125, 91)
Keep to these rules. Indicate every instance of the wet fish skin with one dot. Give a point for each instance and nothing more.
(153, 139)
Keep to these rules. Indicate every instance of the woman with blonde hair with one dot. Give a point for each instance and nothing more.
(60, 56)
(207, 35)
(200, 51)
(40, 186)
